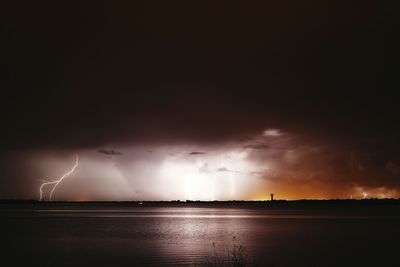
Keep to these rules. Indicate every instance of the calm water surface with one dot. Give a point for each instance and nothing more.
(71, 235)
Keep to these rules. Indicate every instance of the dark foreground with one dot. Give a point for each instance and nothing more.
(200, 234)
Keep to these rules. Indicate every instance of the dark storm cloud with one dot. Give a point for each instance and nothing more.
(393, 168)
(225, 169)
(197, 153)
(109, 152)
(166, 72)
(93, 74)
(257, 146)
(330, 169)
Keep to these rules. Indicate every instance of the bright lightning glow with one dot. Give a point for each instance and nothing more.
(232, 183)
(187, 180)
(217, 175)
(57, 182)
(365, 195)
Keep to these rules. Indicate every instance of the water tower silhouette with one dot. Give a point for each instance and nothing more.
(272, 197)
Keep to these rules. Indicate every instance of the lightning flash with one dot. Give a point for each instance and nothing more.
(57, 182)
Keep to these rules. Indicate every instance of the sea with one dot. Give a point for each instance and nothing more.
(142, 234)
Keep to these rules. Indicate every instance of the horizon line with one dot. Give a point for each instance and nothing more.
(197, 201)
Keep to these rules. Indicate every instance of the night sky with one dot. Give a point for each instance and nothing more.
(200, 100)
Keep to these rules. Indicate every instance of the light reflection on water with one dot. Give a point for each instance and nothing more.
(154, 236)
(187, 213)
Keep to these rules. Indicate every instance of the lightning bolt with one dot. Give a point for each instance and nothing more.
(57, 182)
